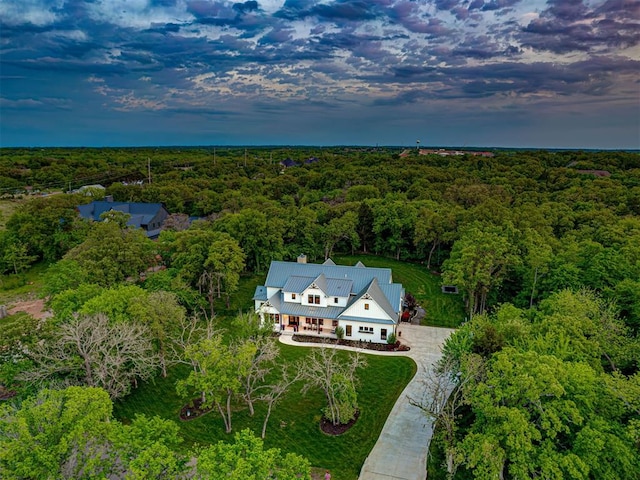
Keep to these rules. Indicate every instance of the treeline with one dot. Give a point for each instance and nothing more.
(515, 227)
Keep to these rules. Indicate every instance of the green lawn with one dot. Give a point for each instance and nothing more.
(443, 310)
(23, 285)
(294, 425)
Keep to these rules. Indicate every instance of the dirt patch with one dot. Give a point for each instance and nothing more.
(35, 308)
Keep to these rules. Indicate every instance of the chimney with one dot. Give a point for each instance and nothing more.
(302, 258)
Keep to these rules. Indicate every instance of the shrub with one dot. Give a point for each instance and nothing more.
(391, 339)
(339, 333)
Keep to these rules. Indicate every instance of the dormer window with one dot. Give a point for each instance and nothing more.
(335, 299)
(293, 296)
(313, 299)
(366, 306)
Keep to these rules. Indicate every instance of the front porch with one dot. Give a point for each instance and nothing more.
(322, 327)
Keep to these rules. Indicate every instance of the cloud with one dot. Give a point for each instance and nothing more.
(342, 55)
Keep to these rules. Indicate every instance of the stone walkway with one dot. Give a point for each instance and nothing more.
(401, 450)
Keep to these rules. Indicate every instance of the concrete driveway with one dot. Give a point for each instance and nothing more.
(402, 447)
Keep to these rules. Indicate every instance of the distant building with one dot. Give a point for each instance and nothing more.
(317, 298)
(147, 216)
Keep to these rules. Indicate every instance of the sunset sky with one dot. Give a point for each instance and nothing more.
(505, 73)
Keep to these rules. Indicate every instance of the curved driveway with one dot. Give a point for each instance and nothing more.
(402, 447)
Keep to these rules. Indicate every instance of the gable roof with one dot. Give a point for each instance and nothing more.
(375, 293)
(280, 272)
(141, 213)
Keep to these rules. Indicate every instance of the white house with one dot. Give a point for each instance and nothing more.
(316, 298)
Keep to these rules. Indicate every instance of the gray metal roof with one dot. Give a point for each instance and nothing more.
(297, 284)
(334, 281)
(279, 273)
(260, 293)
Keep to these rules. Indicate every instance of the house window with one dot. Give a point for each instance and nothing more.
(275, 318)
(293, 296)
(316, 299)
(321, 321)
(366, 306)
(335, 300)
(365, 329)
(310, 299)
(383, 334)
(334, 323)
(347, 331)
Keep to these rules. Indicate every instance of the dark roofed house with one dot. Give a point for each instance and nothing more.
(318, 298)
(287, 162)
(147, 216)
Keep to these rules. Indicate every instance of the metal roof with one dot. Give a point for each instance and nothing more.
(279, 273)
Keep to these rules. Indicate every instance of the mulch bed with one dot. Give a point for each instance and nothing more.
(193, 410)
(330, 429)
(380, 347)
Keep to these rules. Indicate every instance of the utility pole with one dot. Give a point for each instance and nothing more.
(149, 168)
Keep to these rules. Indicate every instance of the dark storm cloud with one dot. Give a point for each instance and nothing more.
(570, 26)
(183, 56)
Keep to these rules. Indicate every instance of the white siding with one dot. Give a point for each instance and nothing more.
(314, 291)
(288, 297)
(366, 337)
(374, 311)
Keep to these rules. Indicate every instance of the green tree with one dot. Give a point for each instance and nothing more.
(336, 378)
(478, 263)
(217, 373)
(340, 228)
(57, 434)
(110, 254)
(246, 458)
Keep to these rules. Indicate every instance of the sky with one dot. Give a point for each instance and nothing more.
(474, 73)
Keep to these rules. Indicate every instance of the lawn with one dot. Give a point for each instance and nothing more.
(442, 310)
(294, 425)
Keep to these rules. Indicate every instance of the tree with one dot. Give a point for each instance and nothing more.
(91, 351)
(162, 313)
(246, 458)
(110, 254)
(259, 236)
(260, 366)
(273, 393)
(323, 369)
(16, 256)
(394, 224)
(224, 262)
(70, 434)
(340, 228)
(436, 223)
(63, 275)
(478, 263)
(58, 434)
(217, 373)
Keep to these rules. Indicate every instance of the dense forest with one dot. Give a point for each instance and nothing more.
(543, 246)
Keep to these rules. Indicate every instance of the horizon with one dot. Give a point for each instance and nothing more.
(541, 74)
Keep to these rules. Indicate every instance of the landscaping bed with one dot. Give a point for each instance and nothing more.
(380, 347)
